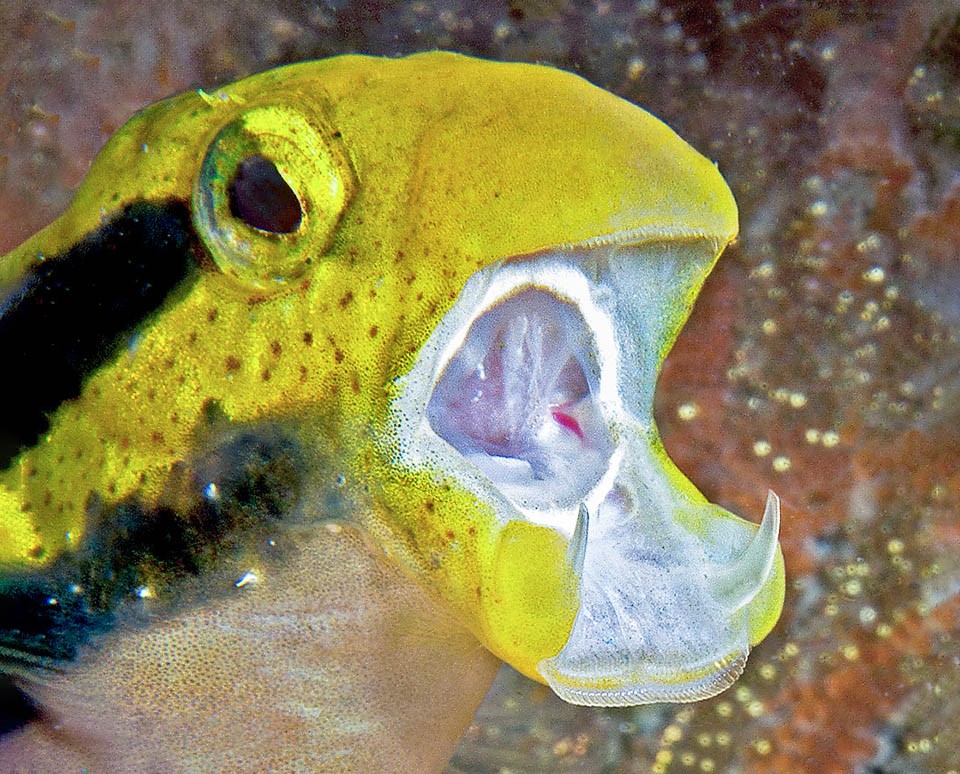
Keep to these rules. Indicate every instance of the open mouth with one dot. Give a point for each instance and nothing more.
(519, 400)
(536, 392)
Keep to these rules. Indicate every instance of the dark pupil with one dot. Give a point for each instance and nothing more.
(261, 198)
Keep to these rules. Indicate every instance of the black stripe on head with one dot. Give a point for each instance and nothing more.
(73, 312)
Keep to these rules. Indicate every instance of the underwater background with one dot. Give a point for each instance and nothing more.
(822, 359)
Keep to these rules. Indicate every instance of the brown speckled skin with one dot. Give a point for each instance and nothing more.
(821, 360)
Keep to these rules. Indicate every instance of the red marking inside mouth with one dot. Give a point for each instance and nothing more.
(568, 422)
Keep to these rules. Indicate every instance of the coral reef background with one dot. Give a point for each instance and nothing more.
(822, 360)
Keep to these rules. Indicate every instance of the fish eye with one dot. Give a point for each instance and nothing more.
(271, 190)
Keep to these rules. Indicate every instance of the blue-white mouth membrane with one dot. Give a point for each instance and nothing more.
(535, 392)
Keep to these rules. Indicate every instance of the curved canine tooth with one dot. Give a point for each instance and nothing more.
(578, 541)
(738, 582)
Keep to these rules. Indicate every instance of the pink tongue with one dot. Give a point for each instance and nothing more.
(567, 421)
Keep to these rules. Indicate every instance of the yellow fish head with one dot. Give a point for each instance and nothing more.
(454, 281)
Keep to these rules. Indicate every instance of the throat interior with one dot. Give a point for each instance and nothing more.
(518, 399)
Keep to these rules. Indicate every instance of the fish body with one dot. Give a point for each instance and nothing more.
(334, 388)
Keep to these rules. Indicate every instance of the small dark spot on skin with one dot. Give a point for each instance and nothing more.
(60, 459)
(168, 363)
(192, 338)
(126, 462)
(212, 315)
(496, 194)
(399, 256)
(338, 355)
(232, 363)
(419, 296)
(47, 498)
(125, 442)
(275, 348)
(337, 134)
(471, 531)
(156, 437)
(79, 454)
(429, 505)
(449, 534)
(411, 278)
(265, 376)
(478, 592)
(26, 507)
(38, 551)
(305, 285)
(307, 338)
(174, 418)
(373, 331)
(181, 379)
(346, 300)
(303, 374)
(151, 395)
(355, 385)
(252, 300)
(112, 488)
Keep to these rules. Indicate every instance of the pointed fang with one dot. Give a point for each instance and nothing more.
(737, 583)
(578, 541)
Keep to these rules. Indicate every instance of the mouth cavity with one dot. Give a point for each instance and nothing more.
(519, 401)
